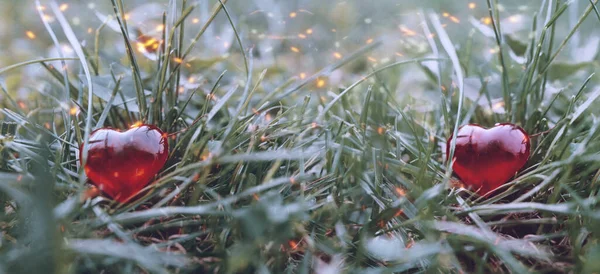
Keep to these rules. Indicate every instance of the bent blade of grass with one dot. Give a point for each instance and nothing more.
(137, 78)
(106, 110)
(194, 92)
(11, 100)
(492, 239)
(205, 209)
(566, 40)
(147, 257)
(583, 107)
(60, 52)
(81, 57)
(339, 96)
(274, 155)
(237, 37)
(36, 61)
(214, 110)
(451, 51)
(114, 228)
(546, 181)
(595, 9)
(568, 209)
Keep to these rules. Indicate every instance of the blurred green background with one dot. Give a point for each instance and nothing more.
(291, 38)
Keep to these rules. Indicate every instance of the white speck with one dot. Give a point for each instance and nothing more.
(368, 20)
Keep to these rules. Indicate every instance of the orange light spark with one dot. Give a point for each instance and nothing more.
(309, 31)
(74, 110)
(30, 34)
(293, 244)
(177, 60)
(380, 130)
(337, 55)
(370, 40)
(136, 124)
(487, 20)
(63, 7)
(454, 19)
(195, 20)
(293, 15)
(472, 5)
(295, 49)
(302, 75)
(48, 18)
(141, 47)
(302, 36)
(160, 27)
(320, 83)
(445, 14)
(401, 192)
(407, 31)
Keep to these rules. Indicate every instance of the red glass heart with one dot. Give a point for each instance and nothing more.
(485, 159)
(123, 163)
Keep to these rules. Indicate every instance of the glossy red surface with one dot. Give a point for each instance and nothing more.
(485, 159)
(123, 163)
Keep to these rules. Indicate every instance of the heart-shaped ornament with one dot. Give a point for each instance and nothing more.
(123, 163)
(485, 159)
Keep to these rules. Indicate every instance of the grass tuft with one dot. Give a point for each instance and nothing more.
(299, 149)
